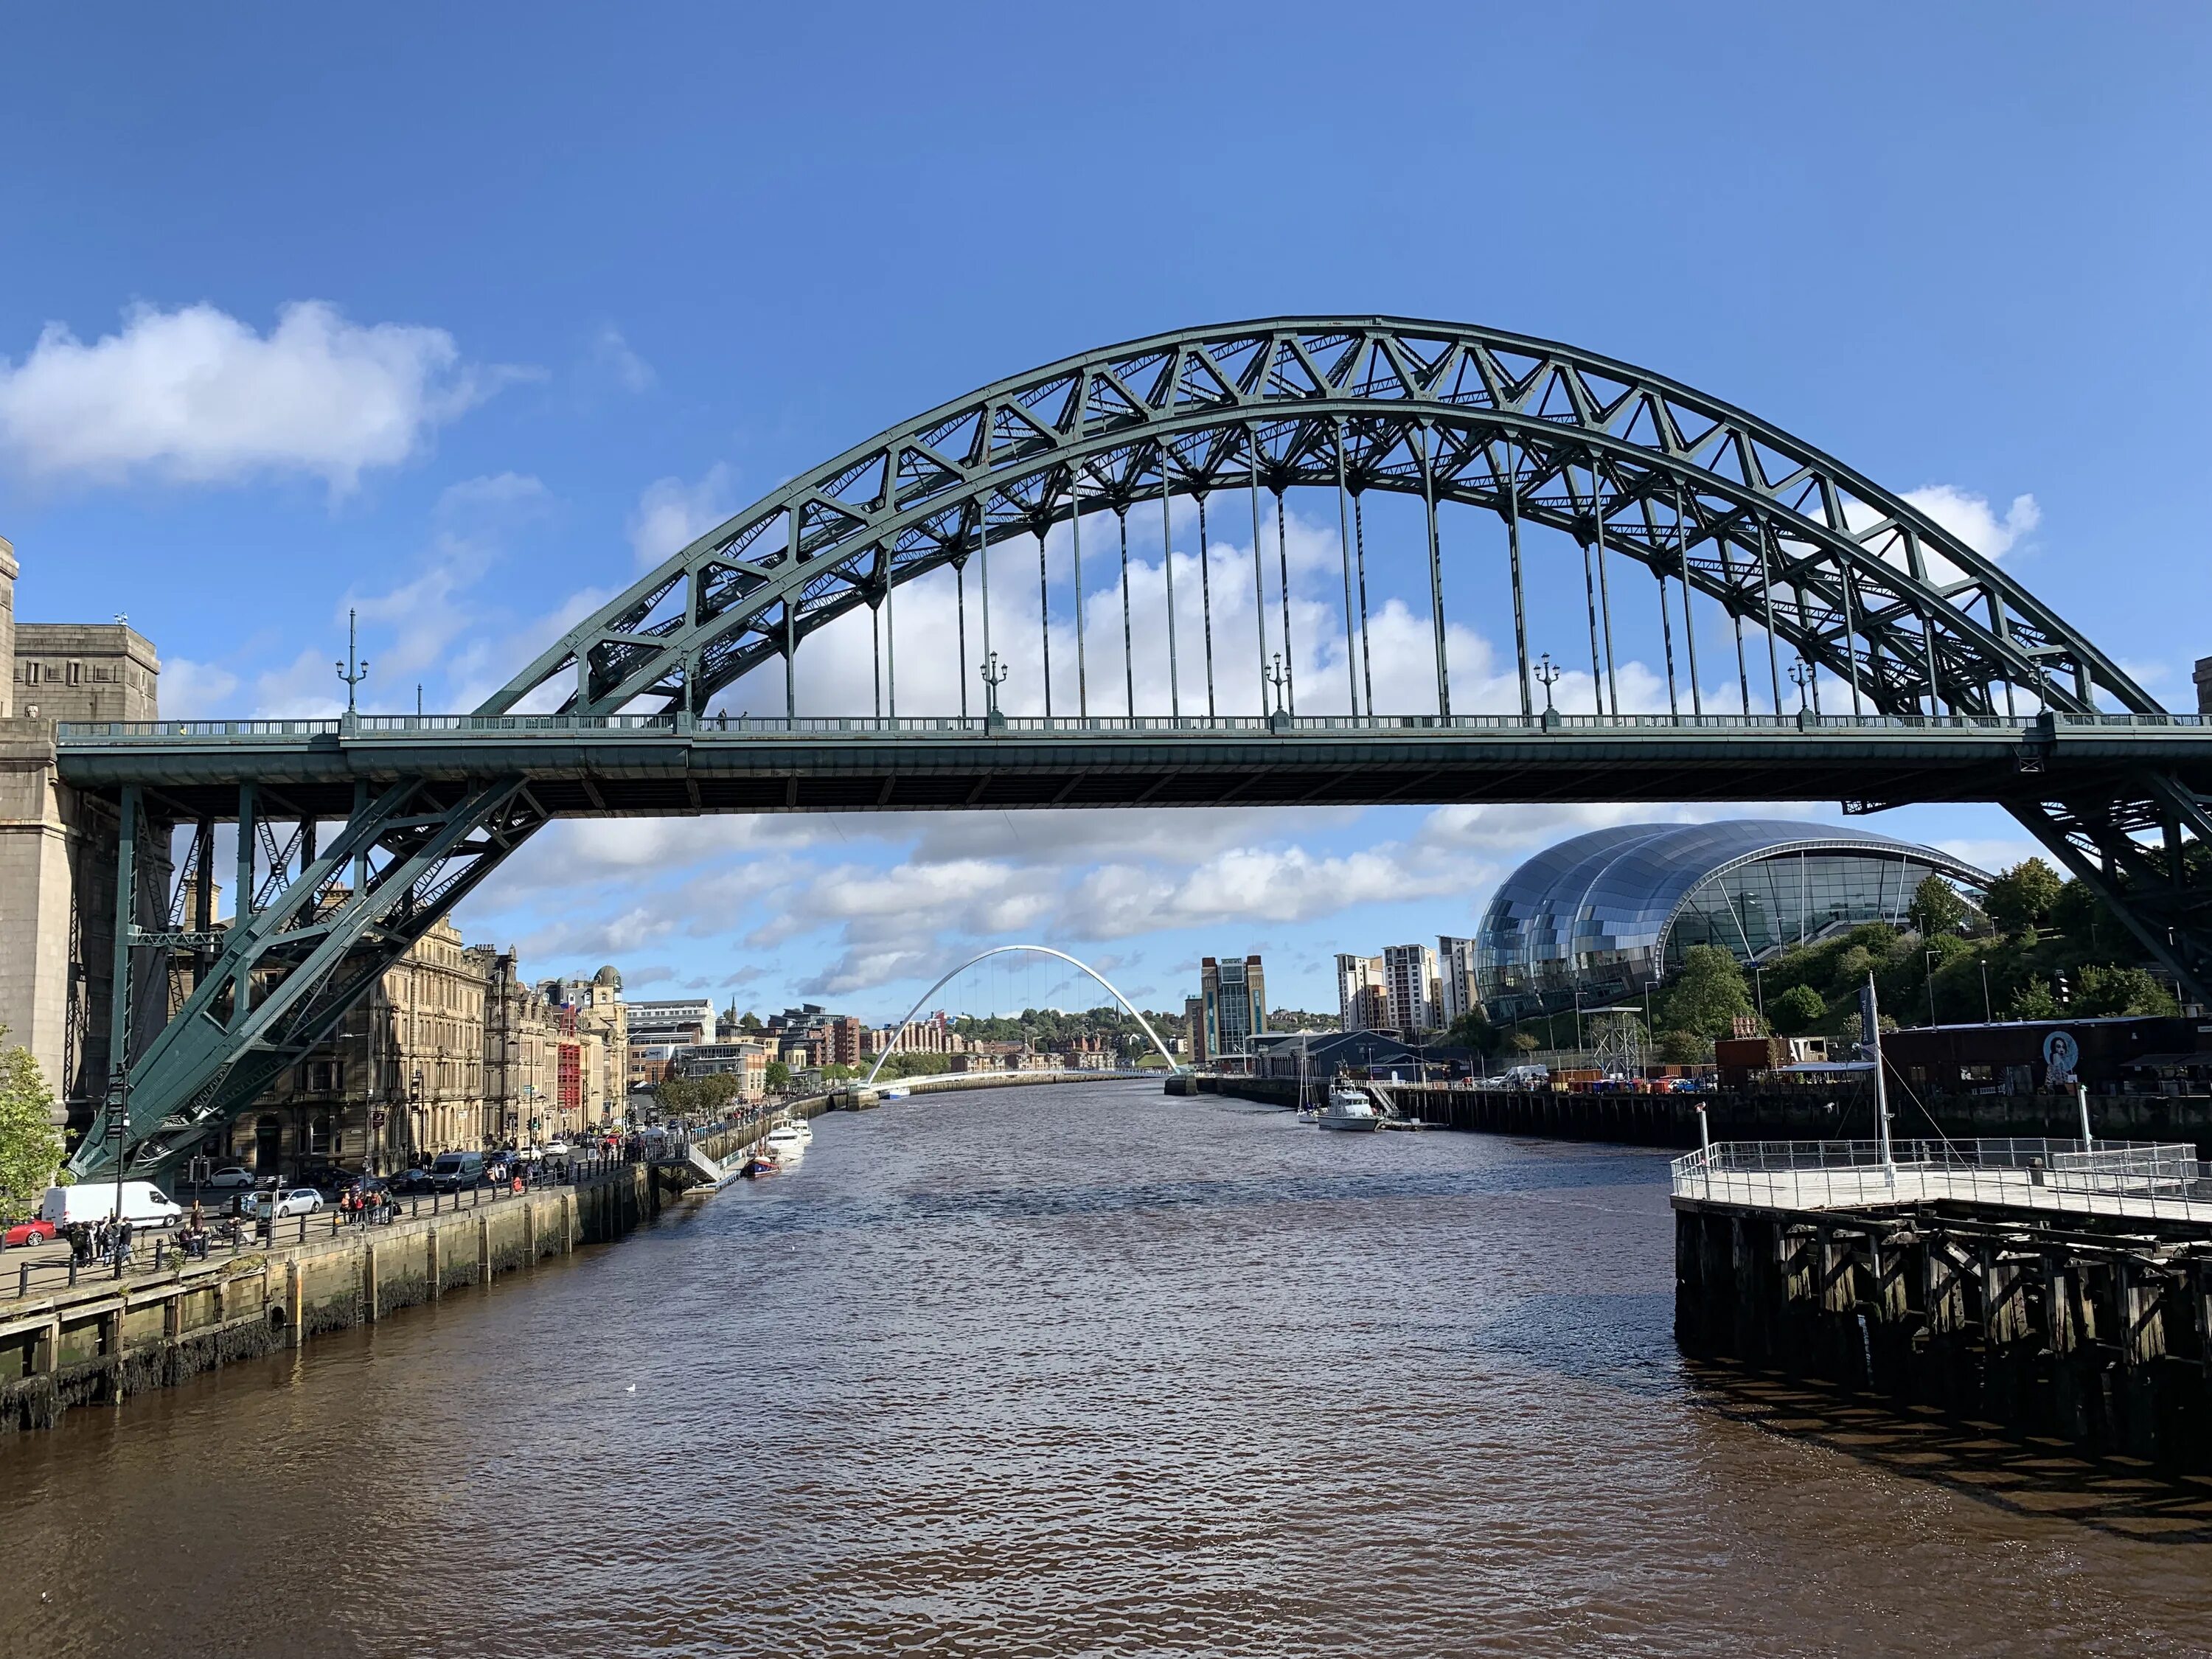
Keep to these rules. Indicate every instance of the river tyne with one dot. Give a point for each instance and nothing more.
(1078, 1371)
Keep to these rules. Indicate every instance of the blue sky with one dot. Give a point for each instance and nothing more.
(456, 314)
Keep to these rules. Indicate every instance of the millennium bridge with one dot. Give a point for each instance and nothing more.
(1865, 654)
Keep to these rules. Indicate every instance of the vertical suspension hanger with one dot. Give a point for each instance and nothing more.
(1044, 616)
(1851, 645)
(1359, 554)
(1128, 658)
(1167, 571)
(1283, 558)
(1513, 556)
(1589, 600)
(983, 567)
(1344, 552)
(1259, 568)
(1075, 534)
(1805, 633)
(1436, 571)
(960, 591)
(1206, 597)
(1689, 596)
(1766, 598)
(791, 657)
(1667, 642)
(890, 641)
(1604, 592)
(1735, 615)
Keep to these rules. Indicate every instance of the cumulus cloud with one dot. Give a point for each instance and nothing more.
(198, 396)
(611, 355)
(671, 514)
(191, 690)
(1974, 522)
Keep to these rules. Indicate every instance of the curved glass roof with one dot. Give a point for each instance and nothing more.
(1602, 903)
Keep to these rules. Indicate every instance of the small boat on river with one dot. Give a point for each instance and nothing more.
(756, 1167)
(1349, 1108)
(789, 1139)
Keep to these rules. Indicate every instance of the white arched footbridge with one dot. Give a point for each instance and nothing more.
(1004, 949)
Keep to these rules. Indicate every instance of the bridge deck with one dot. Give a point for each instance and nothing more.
(2104, 1179)
(660, 764)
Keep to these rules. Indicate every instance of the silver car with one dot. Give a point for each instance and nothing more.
(300, 1200)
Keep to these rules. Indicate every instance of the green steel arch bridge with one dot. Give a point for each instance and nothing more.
(1863, 653)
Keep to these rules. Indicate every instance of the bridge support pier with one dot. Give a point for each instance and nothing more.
(2103, 1340)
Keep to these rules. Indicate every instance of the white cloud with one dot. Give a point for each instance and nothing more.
(195, 395)
(190, 690)
(612, 354)
(1993, 854)
(1973, 521)
(434, 608)
(671, 514)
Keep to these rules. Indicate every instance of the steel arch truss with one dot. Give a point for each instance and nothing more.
(1848, 575)
(320, 926)
(1851, 577)
(1112, 989)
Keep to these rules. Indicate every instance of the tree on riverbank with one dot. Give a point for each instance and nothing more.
(30, 1145)
(2048, 949)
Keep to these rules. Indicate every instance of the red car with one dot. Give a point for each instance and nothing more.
(26, 1232)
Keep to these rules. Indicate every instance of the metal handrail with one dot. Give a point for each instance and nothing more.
(661, 725)
(2130, 1178)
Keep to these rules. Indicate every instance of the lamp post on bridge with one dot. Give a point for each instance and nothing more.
(1547, 675)
(1278, 677)
(353, 670)
(994, 676)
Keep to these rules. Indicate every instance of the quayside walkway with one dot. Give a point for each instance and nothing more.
(2108, 1180)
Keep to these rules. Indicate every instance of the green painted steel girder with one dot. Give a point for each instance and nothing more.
(1198, 409)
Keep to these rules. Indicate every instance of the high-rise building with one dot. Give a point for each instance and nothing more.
(1233, 999)
(1455, 974)
(1360, 1005)
(1409, 984)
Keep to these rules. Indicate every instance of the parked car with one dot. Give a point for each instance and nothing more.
(230, 1176)
(409, 1181)
(22, 1234)
(556, 1149)
(297, 1200)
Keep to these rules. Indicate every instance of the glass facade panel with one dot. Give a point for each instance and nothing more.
(1607, 914)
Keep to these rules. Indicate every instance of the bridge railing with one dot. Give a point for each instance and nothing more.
(2120, 1177)
(372, 727)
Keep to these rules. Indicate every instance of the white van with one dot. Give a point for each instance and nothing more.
(143, 1204)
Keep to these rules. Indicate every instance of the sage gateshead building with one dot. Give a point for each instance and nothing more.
(1606, 915)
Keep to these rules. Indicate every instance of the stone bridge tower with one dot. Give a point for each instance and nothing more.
(57, 847)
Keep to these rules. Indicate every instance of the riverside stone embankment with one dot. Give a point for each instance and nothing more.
(1671, 1119)
(104, 1339)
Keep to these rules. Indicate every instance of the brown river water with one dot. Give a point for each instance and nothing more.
(1079, 1371)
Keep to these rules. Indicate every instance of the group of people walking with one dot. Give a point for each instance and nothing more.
(103, 1240)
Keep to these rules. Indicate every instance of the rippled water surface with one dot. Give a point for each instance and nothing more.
(1078, 1370)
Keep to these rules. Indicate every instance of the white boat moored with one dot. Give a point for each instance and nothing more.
(1349, 1108)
